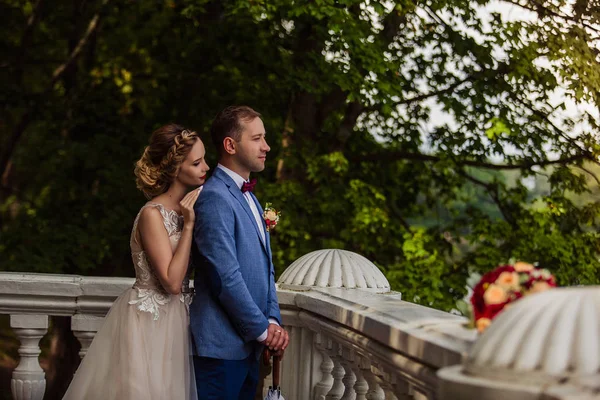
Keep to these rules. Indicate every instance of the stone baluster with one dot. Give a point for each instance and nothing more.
(374, 392)
(84, 328)
(361, 387)
(388, 390)
(325, 384)
(28, 379)
(401, 388)
(349, 379)
(385, 381)
(338, 373)
(422, 395)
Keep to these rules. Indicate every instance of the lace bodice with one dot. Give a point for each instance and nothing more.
(151, 294)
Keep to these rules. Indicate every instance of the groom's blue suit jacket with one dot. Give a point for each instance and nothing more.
(234, 275)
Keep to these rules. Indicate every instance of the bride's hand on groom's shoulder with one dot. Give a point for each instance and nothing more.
(187, 206)
(277, 339)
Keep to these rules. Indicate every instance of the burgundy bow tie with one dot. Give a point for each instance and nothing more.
(249, 186)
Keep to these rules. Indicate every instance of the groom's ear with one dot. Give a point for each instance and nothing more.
(229, 145)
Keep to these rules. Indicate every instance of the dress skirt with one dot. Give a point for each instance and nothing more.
(142, 351)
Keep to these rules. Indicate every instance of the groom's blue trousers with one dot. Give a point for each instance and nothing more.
(226, 379)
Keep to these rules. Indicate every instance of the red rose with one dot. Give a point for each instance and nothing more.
(479, 307)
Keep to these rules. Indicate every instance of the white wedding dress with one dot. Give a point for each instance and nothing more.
(142, 350)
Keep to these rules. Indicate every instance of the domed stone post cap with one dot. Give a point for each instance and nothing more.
(333, 268)
(543, 337)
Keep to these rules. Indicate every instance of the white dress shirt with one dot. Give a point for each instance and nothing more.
(239, 181)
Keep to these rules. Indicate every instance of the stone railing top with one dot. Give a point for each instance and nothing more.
(54, 294)
(436, 338)
(334, 268)
(545, 336)
(58, 285)
(40, 284)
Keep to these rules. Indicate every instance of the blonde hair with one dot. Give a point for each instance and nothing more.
(158, 166)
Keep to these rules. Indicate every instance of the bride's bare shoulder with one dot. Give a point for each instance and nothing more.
(150, 215)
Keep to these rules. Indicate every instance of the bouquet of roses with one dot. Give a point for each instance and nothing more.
(505, 284)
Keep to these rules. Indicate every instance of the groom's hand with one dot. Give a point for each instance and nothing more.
(277, 338)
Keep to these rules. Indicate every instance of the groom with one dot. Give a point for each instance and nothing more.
(235, 312)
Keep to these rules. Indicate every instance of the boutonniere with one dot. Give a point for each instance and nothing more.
(271, 216)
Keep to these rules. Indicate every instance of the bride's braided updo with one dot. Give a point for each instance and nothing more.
(158, 166)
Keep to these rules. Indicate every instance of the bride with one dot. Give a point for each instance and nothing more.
(142, 350)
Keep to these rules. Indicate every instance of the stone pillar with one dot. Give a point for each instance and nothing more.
(338, 388)
(84, 328)
(326, 367)
(297, 375)
(385, 381)
(402, 389)
(361, 387)
(374, 392)
(350, 378)
(28, 379)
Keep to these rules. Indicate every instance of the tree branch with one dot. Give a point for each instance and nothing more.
(26, 38)
(396, 210)
(559, 131)
(426, 96)
(492, 190)
(33, 19)
(436, 93)
(538, 10)
(590, 173)
(93, 25)
(307, 112)
(391, 26)
(432, 14)
(396, 155)
(502, 69)
(353, 111)
(26, 118)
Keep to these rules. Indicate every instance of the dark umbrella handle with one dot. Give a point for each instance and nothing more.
(276, 365)
(276, 368)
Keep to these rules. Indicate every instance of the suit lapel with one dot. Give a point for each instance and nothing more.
(237, 193)
(264, 225)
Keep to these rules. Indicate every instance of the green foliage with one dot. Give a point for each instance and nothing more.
(424, 273)
(408, 132)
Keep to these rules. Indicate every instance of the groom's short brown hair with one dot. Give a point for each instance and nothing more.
(228, 123)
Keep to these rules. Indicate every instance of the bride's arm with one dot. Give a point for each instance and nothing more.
(170, 268)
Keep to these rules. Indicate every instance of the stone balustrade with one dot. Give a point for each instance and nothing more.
(351, 337)
(353, 344)
(30, 298)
